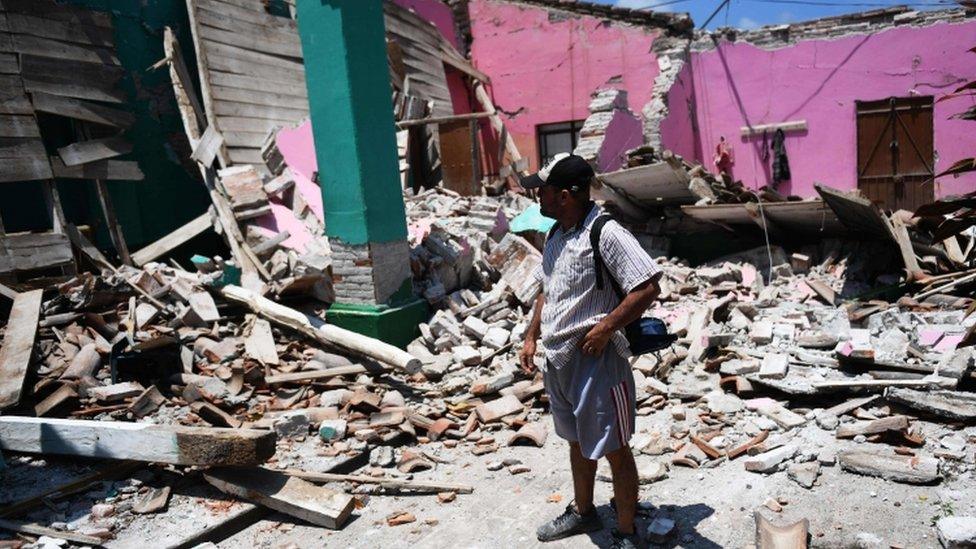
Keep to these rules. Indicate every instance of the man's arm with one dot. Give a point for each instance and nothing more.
(630, 309)
(532, 335)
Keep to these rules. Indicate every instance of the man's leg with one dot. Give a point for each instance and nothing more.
(625, 494)
(584, 476)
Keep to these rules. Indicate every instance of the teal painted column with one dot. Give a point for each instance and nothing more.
(344, 45)
(347, 75)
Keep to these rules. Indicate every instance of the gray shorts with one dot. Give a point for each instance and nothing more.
(592, 401)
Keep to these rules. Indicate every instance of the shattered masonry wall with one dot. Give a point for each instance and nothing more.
(819, 81)
(678, 126)
(544, 64)
(369, 273)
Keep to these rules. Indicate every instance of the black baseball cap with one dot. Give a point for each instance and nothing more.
(564, 171)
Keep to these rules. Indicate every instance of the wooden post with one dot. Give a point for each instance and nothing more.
(174, 444)
(18, 345)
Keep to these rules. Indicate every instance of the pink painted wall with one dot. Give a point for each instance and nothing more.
(678, 133)
(544, 71)
(624, 132)
(819, 81)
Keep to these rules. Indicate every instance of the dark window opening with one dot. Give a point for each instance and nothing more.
(557, 138)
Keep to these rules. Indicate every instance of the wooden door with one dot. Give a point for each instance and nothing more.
(895, 152)
(459, 157)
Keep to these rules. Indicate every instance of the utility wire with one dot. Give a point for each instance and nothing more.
(851, 4)
(714, 13)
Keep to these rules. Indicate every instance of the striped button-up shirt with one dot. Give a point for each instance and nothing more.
(573, 303)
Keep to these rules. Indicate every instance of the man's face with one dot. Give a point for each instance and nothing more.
(551, 200)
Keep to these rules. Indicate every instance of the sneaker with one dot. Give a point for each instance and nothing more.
(624, 541)
(568, 524)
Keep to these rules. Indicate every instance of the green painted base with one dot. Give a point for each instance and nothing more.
(393, 325)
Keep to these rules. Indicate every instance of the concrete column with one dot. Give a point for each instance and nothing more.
(346, 72)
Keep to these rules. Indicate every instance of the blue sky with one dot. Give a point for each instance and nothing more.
(755, 13)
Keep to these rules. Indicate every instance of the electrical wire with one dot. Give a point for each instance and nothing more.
(714, 13)
(852, 4)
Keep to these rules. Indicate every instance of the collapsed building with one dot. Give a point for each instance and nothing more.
(265, 276)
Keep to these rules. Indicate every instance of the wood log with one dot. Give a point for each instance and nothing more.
(174, 444)
(290, 495)
(329, 335)
(18, 345)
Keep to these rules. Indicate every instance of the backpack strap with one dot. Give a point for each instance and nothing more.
(596, 229)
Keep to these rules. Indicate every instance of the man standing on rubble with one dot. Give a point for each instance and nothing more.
(587, 375)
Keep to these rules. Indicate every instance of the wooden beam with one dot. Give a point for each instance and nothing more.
(900, 234)
(328, 334)
(290, 495)
(18, 345)
(403, 124)
(173, 444)
(7, 292)
(759, 129)
(454, 59)
(87, 249)
(173, 240)
(496, 121)
(112, 221)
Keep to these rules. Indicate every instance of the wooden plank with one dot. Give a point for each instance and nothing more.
(82, 110)
(759, 129)
(245, 82)
(210, 143)
(252, 110)
(60, 30)
(292, 68)
(279, 74)
(258, 17)
(254, 125)
(173, 444)
(52, 199)
(290, 495)
(247, 140)
(18, 126)
(46, 47)
(16, 104)
(858, 214)
(245, 156)
(86, 248)
(9, 64)
(71, 78)
(108, 210)
(18, 345)
(111, 170)
(229, 30)
(48, 9)
(255, 97)
(173, 240)
(95, 149)
(24, 169)
(30, 251)
(900, 234)
(19, 148)
(316, 375)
